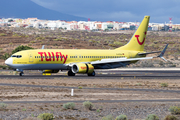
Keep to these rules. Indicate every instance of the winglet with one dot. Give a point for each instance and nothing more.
(43, 47)
(162, 53)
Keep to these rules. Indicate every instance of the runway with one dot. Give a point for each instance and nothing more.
(105, 74)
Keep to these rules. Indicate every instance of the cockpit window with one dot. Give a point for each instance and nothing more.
(17, 56)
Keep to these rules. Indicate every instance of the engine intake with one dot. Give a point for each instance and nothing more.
(82, 68)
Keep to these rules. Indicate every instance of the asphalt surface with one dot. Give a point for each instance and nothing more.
(113, 74)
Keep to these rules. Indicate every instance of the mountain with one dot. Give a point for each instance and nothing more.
(29, 9)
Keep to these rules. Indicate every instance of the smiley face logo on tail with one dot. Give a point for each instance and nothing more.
(140, 43)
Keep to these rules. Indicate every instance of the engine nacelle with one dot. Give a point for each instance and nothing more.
(82, 68)
(50, 71)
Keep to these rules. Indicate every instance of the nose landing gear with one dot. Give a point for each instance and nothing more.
(21, 72)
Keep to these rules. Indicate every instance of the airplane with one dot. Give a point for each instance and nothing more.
(84, 61)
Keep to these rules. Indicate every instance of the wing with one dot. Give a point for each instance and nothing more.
(115, 63)
(146, 53)
(122, 62)
(162, 52)
(112, 63)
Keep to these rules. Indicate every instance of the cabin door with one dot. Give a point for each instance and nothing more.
(80, 57)
(30, 57)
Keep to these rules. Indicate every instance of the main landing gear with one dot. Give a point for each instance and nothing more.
(70, 73)
(92, 74)
(21, 74)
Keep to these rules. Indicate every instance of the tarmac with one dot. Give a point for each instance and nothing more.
(138, 73)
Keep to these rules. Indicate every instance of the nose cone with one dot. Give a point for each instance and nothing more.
(9, 61)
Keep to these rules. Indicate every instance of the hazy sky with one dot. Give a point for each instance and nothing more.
(117, 10)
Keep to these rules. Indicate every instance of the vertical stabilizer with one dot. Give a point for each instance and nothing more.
(138, 39)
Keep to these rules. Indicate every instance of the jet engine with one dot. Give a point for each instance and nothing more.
(82, 68)
(50, 71)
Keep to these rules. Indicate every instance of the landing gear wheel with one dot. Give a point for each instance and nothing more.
(70, 73)
(92, 74)
(21, 74)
